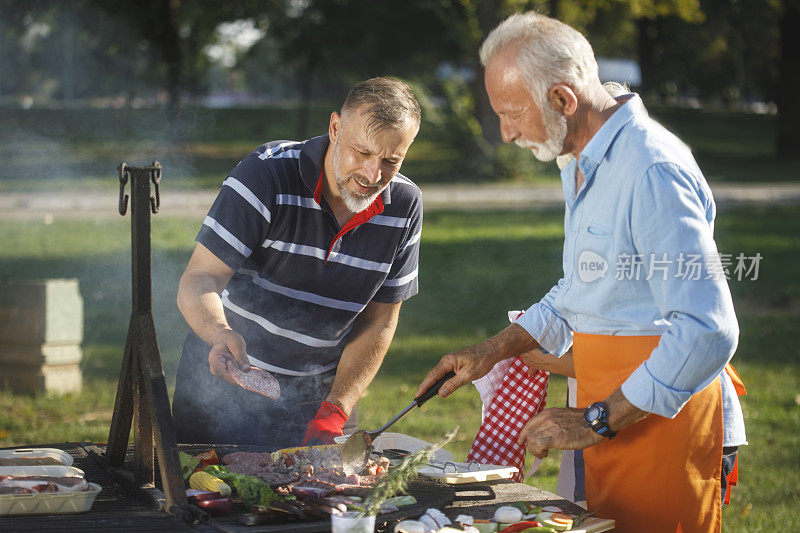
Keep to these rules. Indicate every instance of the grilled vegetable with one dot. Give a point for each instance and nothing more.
(219, 507)
(250, 489)
(522, 526)
(400, 501)
(195, 495)
(205, 481)
(188, 464)
(309, 494)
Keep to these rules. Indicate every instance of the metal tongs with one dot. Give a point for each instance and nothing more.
(358, 446)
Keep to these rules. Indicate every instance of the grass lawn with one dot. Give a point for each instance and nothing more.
(57, 149)
(474, 267)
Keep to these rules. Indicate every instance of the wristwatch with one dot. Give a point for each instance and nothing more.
(596, 418)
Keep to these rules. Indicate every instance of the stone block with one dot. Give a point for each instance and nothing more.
(58, 379)
(41, 330)
(41, 312)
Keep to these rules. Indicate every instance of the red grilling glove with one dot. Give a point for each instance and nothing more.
(326, 425)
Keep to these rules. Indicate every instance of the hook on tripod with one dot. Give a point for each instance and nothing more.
(155, 177)
(123, 179)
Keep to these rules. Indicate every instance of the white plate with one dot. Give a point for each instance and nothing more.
(59, 455)
(455, 472)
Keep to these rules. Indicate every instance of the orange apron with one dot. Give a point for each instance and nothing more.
(658, 475)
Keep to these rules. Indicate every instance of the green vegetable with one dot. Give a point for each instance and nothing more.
(526, 507)
(400, 501)
(188, 464)
(250, 489)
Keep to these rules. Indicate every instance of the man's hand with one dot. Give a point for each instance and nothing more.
(468, 364)
(326, 425)
(227, 345)
(562, 428)
(476, 361)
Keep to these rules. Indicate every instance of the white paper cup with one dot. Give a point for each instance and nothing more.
(351, 522)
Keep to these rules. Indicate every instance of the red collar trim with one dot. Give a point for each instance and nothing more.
(375, 208)
(318, 189)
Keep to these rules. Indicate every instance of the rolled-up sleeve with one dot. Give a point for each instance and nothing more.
(544, 323)
(671, 221)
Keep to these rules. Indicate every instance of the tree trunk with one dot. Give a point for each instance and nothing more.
(305, 87)
(789, 67)
(488, 17)
(553, 7)
(169, 42)
(647, 37)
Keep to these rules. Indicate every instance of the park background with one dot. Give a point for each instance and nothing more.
(197, 85)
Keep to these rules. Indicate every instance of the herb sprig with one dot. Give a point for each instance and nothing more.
(398, 478)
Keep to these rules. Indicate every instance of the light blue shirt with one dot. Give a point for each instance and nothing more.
(640, 259)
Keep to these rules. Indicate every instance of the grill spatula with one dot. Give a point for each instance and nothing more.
(358, 446)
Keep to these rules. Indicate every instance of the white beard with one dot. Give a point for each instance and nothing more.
(556, 127)
(354, 202)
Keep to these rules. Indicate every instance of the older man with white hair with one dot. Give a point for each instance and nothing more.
(643, 301)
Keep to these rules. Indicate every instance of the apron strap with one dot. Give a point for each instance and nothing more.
(738, 384)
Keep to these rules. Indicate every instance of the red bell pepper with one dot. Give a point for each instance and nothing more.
(521, 526)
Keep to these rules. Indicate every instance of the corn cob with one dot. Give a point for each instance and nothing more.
(205, 481)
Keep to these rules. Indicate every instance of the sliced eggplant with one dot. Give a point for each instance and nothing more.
(219, 507)
(197, 495)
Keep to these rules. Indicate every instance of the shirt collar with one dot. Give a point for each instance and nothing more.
(312, 161)
(595, 150)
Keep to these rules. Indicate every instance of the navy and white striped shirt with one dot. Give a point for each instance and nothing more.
(300, 280)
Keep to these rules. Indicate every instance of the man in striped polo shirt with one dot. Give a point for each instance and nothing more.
(300, 268)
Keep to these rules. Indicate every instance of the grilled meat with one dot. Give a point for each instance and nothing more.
(255, 380)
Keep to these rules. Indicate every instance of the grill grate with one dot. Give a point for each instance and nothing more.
(428, 492)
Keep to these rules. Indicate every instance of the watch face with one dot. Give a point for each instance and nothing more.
(592, 413)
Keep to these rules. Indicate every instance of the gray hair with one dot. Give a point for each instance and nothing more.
(549, 52)
(389, 102)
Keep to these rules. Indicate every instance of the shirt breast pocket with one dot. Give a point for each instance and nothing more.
(597, 230)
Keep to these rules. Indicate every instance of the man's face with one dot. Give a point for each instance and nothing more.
(539, 128)
(364, 161)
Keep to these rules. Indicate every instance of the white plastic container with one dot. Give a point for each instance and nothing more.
(59, 455)
(49, 503)
(49, 470)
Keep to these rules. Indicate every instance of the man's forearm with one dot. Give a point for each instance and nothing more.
(360, 361)
(200, 303)
(621, 412)
(510, 342)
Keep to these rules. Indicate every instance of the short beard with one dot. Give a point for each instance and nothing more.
(354, 202)
(555, 126)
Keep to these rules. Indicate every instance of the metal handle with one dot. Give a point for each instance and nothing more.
(431, 392)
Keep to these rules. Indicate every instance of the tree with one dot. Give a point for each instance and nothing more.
(789, 66)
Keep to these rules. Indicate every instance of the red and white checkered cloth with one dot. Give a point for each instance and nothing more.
(517, 399)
